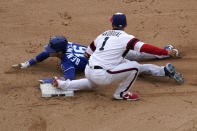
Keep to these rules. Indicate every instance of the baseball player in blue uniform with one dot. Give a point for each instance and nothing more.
(71, 55)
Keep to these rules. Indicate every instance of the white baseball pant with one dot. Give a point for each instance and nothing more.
(127, 72)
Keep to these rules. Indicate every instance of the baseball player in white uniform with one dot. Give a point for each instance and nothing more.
(107, 62)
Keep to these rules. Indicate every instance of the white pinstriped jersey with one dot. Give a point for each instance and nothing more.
(109, 48)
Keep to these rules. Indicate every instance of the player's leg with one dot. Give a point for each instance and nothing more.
(79, 84)
(127, 72)
(161, 71)
(97, 76)
(151, 69)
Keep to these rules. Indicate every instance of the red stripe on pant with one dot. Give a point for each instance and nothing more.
(125, 70)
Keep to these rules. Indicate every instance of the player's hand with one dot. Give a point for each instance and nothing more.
(86, 55)
(174, 53)
(55, 82)
(21, 65)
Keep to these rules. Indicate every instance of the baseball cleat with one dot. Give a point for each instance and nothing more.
(127, 96)
(171, 72)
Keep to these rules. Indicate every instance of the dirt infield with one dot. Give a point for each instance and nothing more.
(27, 25)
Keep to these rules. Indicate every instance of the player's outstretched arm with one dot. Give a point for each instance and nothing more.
(40, 57)
(135, 55)
(147, 48)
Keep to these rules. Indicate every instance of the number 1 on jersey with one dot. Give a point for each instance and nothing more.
(105, 40)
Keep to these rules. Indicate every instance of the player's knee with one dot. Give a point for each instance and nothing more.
(135, 64)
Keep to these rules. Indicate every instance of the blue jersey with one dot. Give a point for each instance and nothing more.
(73, 60)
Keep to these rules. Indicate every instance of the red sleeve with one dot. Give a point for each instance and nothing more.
(153, 50)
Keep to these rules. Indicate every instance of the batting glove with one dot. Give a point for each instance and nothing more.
(25, 65)
(21, 65)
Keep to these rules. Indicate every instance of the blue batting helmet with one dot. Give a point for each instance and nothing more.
(119, 20)
(56, 44)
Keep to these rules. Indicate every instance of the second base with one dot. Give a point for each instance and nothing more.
(48, 90)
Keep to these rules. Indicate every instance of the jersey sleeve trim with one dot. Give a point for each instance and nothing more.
(131, 43)
(92, 46)
(130, 46)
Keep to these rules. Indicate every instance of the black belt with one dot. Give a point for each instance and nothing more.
(97, 67)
